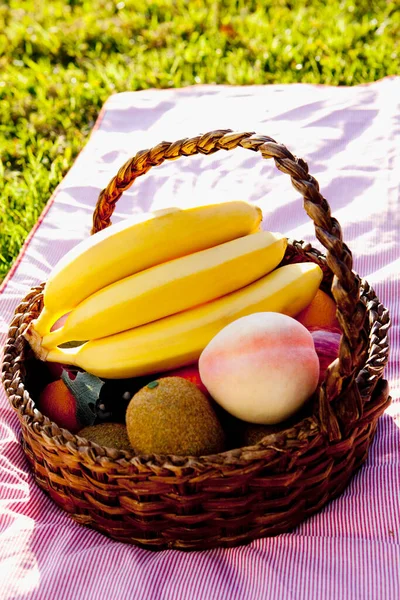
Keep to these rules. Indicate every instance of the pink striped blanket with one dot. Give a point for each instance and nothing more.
(350, 138)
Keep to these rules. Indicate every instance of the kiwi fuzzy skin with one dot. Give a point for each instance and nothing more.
(172, 416)
(110, 435)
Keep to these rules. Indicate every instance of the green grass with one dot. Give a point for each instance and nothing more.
(60, 60)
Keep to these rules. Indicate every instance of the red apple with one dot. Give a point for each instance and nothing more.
(191, 373)
(326, 342)
(56, 370)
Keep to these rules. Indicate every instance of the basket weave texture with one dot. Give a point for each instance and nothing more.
(194, 503)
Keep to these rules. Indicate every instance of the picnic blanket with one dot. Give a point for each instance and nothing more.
(350, 138)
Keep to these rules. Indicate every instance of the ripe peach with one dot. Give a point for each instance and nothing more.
(71, 403)
(58, 403)
(261, 368)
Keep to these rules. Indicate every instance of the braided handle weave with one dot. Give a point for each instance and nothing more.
(346, 284)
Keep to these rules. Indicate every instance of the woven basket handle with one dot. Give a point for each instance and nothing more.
(346, 284)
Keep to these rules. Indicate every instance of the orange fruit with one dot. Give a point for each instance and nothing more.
(321, 312)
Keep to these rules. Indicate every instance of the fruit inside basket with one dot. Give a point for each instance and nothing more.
(210, 297)
(188, 379)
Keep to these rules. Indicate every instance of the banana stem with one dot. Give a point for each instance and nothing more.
(54, 338)
(35, 341)
(44, 322)
(66, 356)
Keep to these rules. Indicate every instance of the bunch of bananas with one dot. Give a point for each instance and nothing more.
(148, 294)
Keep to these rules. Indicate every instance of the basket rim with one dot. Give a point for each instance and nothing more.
(90, 452)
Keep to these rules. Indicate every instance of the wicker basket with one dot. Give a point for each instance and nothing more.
(242, 494)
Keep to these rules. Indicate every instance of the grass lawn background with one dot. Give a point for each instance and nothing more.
(60, 60)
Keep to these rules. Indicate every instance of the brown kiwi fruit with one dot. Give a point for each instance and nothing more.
(111, 435)
(252, 433)
(172, 416)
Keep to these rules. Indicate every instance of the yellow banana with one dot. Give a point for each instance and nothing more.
(171, 287)
(137, 244)
(179, 339)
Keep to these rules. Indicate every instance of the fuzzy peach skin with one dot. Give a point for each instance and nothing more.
(261, 368)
